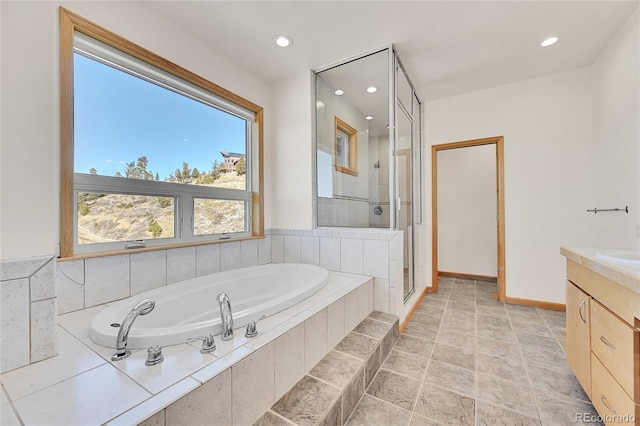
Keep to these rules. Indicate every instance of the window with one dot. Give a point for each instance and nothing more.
(346, 148)
(152, 155)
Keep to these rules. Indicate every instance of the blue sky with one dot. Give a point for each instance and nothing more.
(119, 117)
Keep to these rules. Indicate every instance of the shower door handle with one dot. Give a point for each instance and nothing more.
(399, 204)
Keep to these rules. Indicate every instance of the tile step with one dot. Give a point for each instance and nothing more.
(330, 391)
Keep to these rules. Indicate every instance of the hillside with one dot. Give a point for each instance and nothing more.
(117, 217)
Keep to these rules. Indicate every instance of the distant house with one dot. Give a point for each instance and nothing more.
(230, 161)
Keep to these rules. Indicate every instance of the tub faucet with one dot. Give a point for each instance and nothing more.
(226, 318)
(143, 307)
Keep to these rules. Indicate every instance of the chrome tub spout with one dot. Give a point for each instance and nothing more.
(143, 307)
(226, 317)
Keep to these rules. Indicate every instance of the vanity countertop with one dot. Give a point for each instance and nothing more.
(621, 266)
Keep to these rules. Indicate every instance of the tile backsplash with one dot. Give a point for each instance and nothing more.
(27, 311)
(35, 290)
(84, 283)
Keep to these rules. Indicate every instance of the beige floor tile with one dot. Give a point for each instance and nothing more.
(464, 357)
(515, 395)
(414, 346)
(395, 389)
(451, 377)
(372, 411)
(406, 364)
(447, 407)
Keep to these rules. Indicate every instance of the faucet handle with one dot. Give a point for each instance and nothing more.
(208, 344)
(252, 331)
(154, 355)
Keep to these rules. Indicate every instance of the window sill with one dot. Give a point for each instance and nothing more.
(155, 248)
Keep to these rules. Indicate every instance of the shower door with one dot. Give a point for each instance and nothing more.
(404, 202)
(407, 154)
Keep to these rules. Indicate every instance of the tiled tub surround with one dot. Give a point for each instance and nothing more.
(372, 252)
(27, 311)
(235, 384)
(37, 289)
(328, 393)
(377, 253)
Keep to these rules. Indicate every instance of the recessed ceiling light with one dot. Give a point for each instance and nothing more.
(339, 92)
(549, 41)
(368, 117)
(282, 40)
(372, 89)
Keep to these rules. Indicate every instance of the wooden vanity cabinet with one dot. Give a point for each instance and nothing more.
(578, 335)
(603, 347)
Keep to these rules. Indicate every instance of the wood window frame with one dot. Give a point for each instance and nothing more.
(352, 149)
(69, 24)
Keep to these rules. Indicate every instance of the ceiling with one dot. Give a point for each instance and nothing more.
(447, 47)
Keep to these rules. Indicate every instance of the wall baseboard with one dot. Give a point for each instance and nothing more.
(536, 303)
(463, 275)
(413, 310)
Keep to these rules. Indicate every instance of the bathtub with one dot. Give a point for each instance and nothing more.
(190, 308)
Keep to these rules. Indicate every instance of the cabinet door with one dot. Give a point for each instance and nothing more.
(578, 336)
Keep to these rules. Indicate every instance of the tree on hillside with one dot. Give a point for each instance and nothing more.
(241, 166)
(155, 228)
(182, 175)
(93, 171)
(138, 169)
(215, 170)
(186, 171)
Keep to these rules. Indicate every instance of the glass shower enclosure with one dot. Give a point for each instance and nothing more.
(368, 139)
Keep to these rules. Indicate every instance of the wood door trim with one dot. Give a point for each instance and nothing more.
(499, 142)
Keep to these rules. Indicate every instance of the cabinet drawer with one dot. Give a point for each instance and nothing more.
(610, 400)
(615, 344)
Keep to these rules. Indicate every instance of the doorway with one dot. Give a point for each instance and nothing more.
(498, 142)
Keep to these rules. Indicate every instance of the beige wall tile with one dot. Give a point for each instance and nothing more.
(14, 319)
(253, 376)
(336, 323)
(43, 329)
(351, 310)
(315, 339)
(209, 404)
(148, 271)
(181, 264)
(157, 419)
(69, 284)
(289, 360)
(106, 279)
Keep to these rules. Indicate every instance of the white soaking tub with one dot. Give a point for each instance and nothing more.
(190, 308)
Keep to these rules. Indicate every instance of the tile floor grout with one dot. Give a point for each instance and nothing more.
(488, 408)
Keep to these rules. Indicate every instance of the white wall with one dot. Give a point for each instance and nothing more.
(291, 154)
(29, 214)
(615, 165)
(546, 124)
(467, 208)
